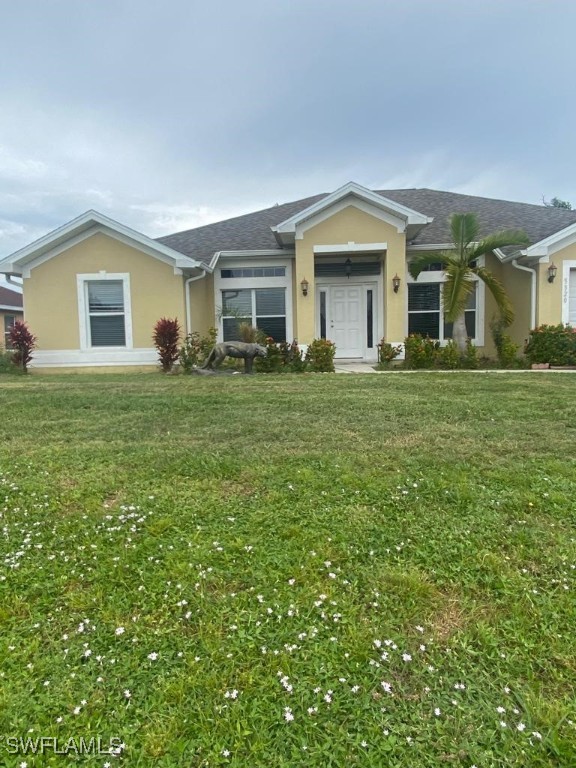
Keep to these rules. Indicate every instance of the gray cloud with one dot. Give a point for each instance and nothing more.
(167, 115)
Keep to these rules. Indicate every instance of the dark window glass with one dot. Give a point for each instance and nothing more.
(423, 297)
(230, 327)
(425, 323)
(234, 302)
(369, 320)
(230, 272)
(272, 326)
(270, 301)
(322, 314)
(107, 331)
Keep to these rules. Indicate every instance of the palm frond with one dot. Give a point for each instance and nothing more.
(498, 240)
(456, 291)
(464, 228)
(497, 290)
(423, 260)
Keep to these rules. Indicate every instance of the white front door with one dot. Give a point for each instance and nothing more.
(346, 321)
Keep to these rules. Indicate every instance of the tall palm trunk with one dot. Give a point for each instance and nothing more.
(460, 334)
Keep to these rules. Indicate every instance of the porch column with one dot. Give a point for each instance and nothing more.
(304, 306)
(395, 304)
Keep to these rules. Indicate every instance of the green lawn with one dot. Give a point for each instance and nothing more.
(292, 571)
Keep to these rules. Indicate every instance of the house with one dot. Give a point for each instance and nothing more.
(332, 266)
(11, 309)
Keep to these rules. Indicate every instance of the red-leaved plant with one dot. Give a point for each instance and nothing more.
(166, 340)
(22, 342)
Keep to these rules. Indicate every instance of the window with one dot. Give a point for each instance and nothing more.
(9, 321)
(425, 315)
(106, 317)
(253, 272)
(265, 308)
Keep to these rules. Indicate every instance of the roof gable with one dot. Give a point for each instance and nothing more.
(79, 229)
(393, 212)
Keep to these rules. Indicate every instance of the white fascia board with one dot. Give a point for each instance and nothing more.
(408, 215)
(553, 243)
(90, 222)
(275, 253)
(351, 248)
(431, 247)
(8, 308)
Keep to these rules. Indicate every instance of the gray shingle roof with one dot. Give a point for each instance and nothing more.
(253, 230)
(10, 298)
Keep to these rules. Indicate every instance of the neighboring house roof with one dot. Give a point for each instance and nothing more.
(85, 226)
(10, 300)
(253, 231)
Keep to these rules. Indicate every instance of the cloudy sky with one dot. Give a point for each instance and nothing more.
(168, 114)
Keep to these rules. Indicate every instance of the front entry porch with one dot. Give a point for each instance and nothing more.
(349, 312)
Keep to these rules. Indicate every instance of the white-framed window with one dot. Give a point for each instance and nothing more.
(264, 308)
(426, 313)
(258, 292)
(9, 321)
(104, 311)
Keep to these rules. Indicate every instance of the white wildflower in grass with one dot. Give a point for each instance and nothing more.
(437, 712)
(406, 657)
(386, 686)
(521, 727)
(127, 694)
(288, 716)
(153, 656)
(225, 753)
(503, 724)
(119, 631)
(537, 735)
(500, 710)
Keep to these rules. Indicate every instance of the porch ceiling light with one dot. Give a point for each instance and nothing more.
(304, 284)
(348, 267)
(552, 269)
(396, 283)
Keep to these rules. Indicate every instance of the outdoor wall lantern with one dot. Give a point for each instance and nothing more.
(304, 285)
(348, 267)
(396, 283)
(552, 269)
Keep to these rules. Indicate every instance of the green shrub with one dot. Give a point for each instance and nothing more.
(448, 356)
(6, 363)
(554, 344)
(22, 342)
(166, 336)
(420, 351)
(470, 359)
(506, 349)
(196, 349)
(320, 356)
(387, 353)
(292, 357)
(274, 361)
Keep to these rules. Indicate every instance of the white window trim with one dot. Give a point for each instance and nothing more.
(246, 283)
(439, 277)
(83, 317)
(567, 266)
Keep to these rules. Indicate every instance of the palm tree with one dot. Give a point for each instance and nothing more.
(461, 267)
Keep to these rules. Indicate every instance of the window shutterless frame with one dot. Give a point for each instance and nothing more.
(89, 311)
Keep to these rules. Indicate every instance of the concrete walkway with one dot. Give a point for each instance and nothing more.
(368, 368)
(355, 368)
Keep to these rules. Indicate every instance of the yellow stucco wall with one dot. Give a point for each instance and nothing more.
(51, 296)
(202, 312)
(550, 295)
(351, 225)
(518, 285)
